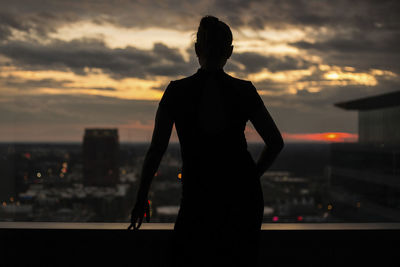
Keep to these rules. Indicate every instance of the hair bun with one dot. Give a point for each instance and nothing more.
(209, 22)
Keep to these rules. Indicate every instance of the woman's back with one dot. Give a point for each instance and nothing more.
(210, 111)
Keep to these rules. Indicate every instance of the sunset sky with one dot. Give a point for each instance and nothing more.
(70, 65)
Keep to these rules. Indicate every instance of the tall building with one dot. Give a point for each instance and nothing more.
(365, 176)
(378, 118)
(7, 180)
(100, 157)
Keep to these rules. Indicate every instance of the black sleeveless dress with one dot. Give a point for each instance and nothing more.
(221, 207)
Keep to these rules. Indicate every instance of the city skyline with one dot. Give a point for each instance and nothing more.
(69, 66)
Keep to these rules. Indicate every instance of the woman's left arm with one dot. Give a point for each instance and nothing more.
(159, 143)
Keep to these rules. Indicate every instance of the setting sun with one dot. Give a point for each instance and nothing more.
(331, 136)
(322, 137)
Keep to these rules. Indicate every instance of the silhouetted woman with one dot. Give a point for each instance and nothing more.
(221, 207)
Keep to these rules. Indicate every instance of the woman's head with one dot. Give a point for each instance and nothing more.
(214, 43)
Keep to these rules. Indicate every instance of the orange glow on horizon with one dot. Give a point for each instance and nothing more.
(322, 137)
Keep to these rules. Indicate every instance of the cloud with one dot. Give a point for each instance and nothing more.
(313, 112)
(12, 21)
(27, 84)
(185, 15)
(79, 54)
(255, 62)
(32, 23)
(363, 51)
(368, 27)
(30, 84)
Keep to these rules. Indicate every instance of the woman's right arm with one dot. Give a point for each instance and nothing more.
(266, 128)
(159, 143)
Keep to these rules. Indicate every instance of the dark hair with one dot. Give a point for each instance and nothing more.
(213, 37)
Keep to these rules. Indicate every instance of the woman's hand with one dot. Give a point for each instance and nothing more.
(159, 143)
(141, 209)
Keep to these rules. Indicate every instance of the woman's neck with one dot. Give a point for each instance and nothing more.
(211, 69)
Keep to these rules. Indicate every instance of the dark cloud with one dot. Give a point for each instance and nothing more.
(29, 84)
(8, 22)
(49, 15)
(366, 26)
(363, 51)
(39, 23)
(12, 21)
(78, 54)
(101, 88)
(255, 62)
(358, 14)
(185, 15)
(4, 33)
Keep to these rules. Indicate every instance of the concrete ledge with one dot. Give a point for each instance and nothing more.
(170, 226)
(89, 244)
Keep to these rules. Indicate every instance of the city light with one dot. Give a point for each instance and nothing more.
(330, 207)
(38, 175)
(275, 218)
(299, 218)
